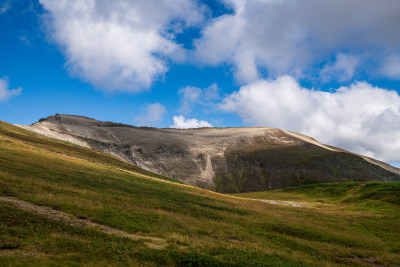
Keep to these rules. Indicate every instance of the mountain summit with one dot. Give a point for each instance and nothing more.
(222, 159)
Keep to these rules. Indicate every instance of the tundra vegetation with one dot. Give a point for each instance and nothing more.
(353, 224)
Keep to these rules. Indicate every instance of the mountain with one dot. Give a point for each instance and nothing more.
(66, 205)
(225, 160)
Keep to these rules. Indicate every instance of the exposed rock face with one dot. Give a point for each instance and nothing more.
(221, 159)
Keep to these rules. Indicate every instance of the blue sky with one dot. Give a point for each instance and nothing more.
(328, 69)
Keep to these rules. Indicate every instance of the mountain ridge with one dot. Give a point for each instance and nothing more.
(234, 159)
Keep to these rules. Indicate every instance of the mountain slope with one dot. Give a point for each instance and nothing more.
(85, 192)
(222, 159)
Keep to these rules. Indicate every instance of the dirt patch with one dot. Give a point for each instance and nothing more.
(70, 219)
(287, 203)
(365, 261)
(295, 204)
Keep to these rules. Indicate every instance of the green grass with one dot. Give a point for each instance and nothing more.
(351, 225)
(378, 196)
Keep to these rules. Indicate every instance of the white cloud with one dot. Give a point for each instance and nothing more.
(127, 45)
(191, 96)
(181, 123)
(152, 114)
(285, 36)
(360, 118)
(120, 45)
(5, 92)
(341, 70)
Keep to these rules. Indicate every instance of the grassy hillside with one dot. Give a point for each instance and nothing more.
(197, 227)
(384, 196)
(259, 168)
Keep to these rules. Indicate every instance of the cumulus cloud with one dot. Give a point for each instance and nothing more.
(127, 45)
(360, 117)
(285, 36)
(120, 45)
(181, 123)
(151, 114)
(5, 92)
(341, 70)
(191, 96)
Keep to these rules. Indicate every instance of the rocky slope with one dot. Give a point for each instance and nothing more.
(221, 159)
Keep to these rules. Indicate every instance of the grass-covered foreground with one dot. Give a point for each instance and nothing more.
(345, 224)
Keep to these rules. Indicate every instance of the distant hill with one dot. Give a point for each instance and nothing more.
(228, 160)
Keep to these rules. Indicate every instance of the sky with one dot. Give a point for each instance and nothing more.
(327, 69)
